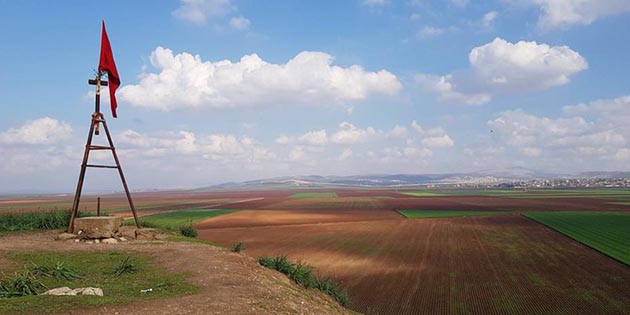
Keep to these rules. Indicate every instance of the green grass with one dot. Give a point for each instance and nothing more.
(607, 232)
(416, 214)
(96, 271)
(422, 194)
(173, 220)
(383, 197)
(34, 221)
(313, 195)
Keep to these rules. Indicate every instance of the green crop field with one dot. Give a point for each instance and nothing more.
(607, 232)
(313, 195)
(175, 219)
(416, 214)
(422, 194)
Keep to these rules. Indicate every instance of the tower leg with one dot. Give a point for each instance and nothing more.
(77, 194)
(120, 172)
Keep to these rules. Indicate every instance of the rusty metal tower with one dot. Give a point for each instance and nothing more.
(97, 119)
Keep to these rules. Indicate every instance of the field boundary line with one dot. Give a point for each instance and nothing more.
(303, 224)
(575, 239)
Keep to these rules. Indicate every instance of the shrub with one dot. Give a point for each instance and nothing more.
(238, 247)
(188, 231)
(125, 266)
(21, 284)
(303, 274)
(59, 272)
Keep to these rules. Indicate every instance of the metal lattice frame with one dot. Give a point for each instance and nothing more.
(98, 118)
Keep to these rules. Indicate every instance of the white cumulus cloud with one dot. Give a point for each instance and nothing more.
(44, 130)
(438, 141)
(185, 81)
(314, 138)
(616, 110)
(564, 137)
(504, 67)
(350, 134)
(185, 143)
(564, 13)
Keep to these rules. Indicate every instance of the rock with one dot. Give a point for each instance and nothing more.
(98, 227)
(109, 241)
(65, 236)
(77, 291)
(122, 239)
(89, 291)
(97, 241)
(146, 234)
(60, 291)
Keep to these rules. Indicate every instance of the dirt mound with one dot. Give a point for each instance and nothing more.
(229, 283)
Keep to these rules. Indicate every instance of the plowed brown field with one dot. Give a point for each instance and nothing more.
(391, 265)
(472, 265)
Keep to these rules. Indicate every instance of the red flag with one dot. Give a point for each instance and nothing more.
(107, 64)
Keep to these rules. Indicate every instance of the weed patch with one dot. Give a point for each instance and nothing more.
(20, 284)
(302, 274)
(59, 272)
(238, 247)
(125, 266)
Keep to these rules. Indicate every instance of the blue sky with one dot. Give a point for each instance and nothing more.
(226, 90)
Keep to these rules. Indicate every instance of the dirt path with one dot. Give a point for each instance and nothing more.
(229, 283)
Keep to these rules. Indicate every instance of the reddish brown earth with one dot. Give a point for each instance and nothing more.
(472, 265)
(152, 201)
(391, 265)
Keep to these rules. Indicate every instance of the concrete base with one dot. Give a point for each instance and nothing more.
(97, 227)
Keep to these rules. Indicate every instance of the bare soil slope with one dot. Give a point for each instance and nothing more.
(229, 283)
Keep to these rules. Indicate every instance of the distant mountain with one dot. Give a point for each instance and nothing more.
(603, 175)
(485, 177)
(520, 173)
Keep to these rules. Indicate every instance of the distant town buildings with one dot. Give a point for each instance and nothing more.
(569, 183)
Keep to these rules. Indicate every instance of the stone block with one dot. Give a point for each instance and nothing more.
(97, 227)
